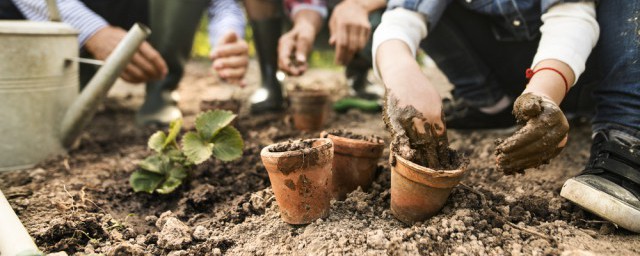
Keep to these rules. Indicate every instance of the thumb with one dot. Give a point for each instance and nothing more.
(228, 37)
(302, 47)
(527, 106)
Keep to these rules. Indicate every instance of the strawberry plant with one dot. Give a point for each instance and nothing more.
(166, 169)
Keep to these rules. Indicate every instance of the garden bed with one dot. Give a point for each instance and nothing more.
(83, 203)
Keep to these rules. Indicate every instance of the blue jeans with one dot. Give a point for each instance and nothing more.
(484, 68)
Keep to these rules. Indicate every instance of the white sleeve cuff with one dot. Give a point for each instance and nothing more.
(407, 26)
(322, 10)
(569, 33)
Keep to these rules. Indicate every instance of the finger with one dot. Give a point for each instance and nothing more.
(535, 149)
(148, 68)
(528, 162)
(154, 57)
(527, 106)
(521, 138)
(233, 73)
(231, 62)
(303, 46)
(341, 47)
(225, 50)
(285, 50)
(136, 75)
(229, 37)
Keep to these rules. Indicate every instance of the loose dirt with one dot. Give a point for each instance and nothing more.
(83, 204)
(429, 147)
(350, 135)
(291, 145)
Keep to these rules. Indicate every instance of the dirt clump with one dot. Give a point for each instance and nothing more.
(348, 134)
(427, 146)
(291, 145)
(174, 234)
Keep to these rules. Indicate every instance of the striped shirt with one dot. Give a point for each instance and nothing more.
(223, 15)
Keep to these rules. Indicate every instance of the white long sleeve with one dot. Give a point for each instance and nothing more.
(569, 33)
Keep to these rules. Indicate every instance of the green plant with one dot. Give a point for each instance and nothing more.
(166, 169)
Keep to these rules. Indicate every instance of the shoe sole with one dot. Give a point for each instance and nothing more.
(602, 204)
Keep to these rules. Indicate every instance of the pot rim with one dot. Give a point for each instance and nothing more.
(326, 144)
(428, 176)
(354, 147)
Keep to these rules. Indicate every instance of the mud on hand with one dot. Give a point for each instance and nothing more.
(415, 138)
(538, 141)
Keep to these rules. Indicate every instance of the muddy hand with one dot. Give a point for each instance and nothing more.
(414, 137)
(539, 140)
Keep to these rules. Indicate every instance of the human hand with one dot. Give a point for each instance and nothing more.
(230, 58)
(146, 64)
(295, 45)
(542, 137)
(350, 30)
(413, 108)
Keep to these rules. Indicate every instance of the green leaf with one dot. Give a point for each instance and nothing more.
(196, 149)
(141, 180)
(175, 155)
(169, 186)
(154, 163)
(228, 144)
(210, 123)
(156, 141)
(174, 129)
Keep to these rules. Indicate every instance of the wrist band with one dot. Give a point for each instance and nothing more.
(529, 74)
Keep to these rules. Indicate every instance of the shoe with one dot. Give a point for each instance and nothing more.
(268, 98)
(158, 109)
(610, 184)
(459, 114)
(359, 86)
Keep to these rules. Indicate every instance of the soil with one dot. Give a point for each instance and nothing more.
(428, 148)
(82, 203)
(291, 145)
(350, 135)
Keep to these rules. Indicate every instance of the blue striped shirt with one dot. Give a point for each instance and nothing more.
(224, 16)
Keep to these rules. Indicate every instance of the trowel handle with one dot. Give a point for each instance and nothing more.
(54, 13)
(14, 238)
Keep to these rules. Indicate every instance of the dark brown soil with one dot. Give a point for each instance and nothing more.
(348, 134)
(291, 145)
(82, 203)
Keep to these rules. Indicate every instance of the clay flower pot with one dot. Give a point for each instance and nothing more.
(309, 109)
(354, 161)
(301, 179)
(417, 192)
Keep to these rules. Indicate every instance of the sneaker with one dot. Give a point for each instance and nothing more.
(459, 114)
(610, 184)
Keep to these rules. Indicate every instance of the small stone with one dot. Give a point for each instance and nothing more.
(377, 240)
(174, 234)
(216, 252)
(151, 220)
(200, 233)
(163, 218)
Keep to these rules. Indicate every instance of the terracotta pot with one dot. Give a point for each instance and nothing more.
(354, 163)
(301, 180)
(417, 192)
(309, 109)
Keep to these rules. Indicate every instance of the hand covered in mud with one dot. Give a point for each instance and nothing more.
(417, 135)
(539, 140)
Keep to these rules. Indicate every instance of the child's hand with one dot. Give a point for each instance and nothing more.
(230, 58)
(541, 139)
(295, 45)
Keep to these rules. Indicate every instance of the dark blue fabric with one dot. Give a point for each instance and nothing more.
(8, 11)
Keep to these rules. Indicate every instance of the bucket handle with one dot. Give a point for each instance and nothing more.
(54, 13)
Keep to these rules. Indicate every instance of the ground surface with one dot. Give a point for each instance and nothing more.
(82, 203)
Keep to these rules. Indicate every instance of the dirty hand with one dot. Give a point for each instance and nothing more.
(146, 64)
(417, 126)
(295, 45)
(350, 30)
(542, 137)
(230, 58)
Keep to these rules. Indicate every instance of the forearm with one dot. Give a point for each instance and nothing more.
(308, 20)
(394, 58)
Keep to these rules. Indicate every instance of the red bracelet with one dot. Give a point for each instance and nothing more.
(529, 74)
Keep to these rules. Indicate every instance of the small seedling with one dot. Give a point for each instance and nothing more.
(166, 169)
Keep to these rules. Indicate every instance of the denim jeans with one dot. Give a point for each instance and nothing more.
(483, 68)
